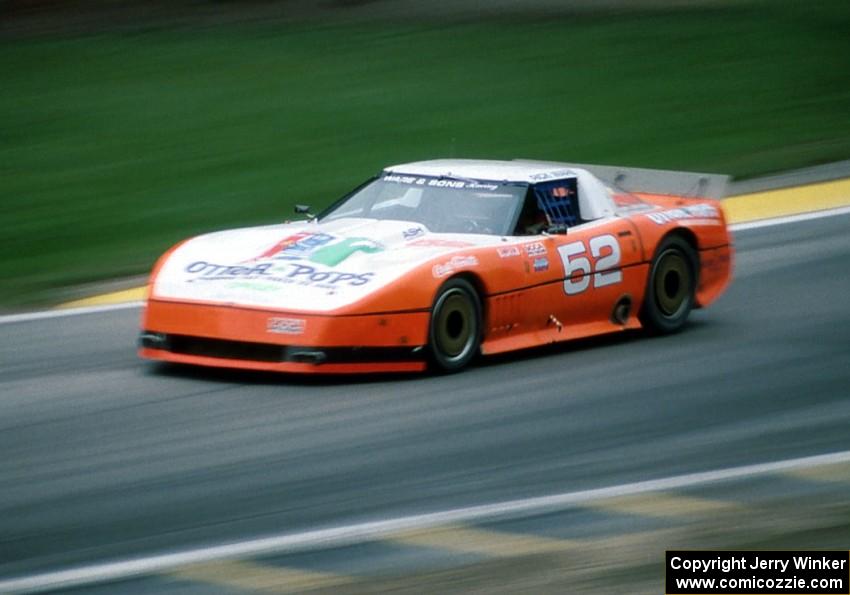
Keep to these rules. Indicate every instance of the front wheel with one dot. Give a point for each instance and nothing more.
(454, 336)
(671, 287)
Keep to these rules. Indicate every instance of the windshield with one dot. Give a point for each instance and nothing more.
(442, 205)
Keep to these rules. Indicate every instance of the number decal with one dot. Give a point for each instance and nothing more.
(577, 266)
(574, 265)
(606, 265)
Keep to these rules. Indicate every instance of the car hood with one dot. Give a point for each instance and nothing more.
(307, 266)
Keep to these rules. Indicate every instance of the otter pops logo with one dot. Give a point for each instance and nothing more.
(334, 254)
(307, 259)
(319, 247)
(290, 272)
(296, 246)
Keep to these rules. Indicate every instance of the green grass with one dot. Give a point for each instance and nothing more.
(113, 147)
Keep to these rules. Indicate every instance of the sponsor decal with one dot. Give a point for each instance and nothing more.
(275, 272)
(334, 254)
(535, 249)
(551, 175)
(209, 270)
(296, 246)
(439, 243)
(508, 251)
(438, 182)
(453, 264)
(286, 326)
(319, 247)
(541, 264)
(413, 232)
(691, 212)
(308, 275)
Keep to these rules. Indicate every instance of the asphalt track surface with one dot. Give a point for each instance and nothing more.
(106, 456)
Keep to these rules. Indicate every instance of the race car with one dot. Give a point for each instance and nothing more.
(436, 262)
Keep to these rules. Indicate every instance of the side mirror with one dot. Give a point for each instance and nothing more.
(304, 210)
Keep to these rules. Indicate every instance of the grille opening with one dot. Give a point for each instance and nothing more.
(257, 352)
(267, 352)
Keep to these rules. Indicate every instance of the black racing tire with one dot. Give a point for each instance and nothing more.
(670, 287)
(455, 329)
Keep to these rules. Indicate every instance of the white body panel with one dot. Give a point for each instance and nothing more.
(304, 266)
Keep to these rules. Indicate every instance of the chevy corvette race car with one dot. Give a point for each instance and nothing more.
(438, 261)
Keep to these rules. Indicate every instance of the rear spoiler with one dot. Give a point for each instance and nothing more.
(654, 181)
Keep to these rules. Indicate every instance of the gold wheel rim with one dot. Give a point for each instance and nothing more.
(672, 283)
(455, 332)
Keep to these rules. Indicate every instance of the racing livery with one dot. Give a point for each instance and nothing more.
(438, 261)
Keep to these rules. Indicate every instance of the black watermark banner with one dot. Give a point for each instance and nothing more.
(757, 573)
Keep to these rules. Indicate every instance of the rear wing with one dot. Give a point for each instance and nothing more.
(655, 181)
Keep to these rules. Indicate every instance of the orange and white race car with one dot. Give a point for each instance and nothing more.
(438, 261)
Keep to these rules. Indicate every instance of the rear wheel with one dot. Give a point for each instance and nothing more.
(671, 287)
(455, 327)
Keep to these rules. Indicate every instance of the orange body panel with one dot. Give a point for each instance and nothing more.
(715, 274)
(258, 326)
(712, 238)
(562, 304)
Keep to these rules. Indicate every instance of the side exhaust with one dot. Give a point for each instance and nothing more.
(622, 310)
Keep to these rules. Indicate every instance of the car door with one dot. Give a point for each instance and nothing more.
(597, 264)
(600, 268)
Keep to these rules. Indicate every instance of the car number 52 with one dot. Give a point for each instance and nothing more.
(605, 252)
